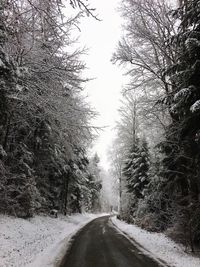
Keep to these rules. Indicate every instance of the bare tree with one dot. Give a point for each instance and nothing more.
(145, 52)
(144, 48)
(83, 5)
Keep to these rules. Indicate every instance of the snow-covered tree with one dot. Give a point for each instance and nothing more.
(148, 26)
(181, 161)
(95, 171)
(145, 53)
(45, 116)
(136, 169)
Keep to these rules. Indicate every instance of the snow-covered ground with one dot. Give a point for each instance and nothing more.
(40, 241)
(158, 246)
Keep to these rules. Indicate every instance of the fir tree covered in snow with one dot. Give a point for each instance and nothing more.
(95, 182)
(45, 119)
(17, 192)
(136, 169)
(181, 163)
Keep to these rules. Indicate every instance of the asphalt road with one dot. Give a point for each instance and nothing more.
(99, 244)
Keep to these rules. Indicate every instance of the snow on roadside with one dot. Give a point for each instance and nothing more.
(159, 246)
(37, 241)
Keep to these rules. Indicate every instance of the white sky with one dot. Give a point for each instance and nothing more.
(104, 92)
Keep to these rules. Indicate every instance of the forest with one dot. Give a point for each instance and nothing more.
(45, 126)
(156, 151)
(46, 121)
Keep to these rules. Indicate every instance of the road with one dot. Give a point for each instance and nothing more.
(99, 244)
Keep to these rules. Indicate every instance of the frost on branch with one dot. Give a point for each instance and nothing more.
(183, 99)
(3, 153)
(183, 94)
(195, 107)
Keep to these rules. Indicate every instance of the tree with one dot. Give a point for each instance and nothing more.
(148, 22)
(136, 169)
(95, 172)
(83, 5)
(128, 125)
(45, 116)
(182, 170)
(161, 48)
(145, 52)
(116, 156)
(17, 192)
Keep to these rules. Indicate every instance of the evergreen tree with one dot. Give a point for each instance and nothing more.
(136, 169)
(17, 191)
(96, 182)
(44, 125)
(181, 163)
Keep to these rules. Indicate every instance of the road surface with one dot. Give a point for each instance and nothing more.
(99, 244)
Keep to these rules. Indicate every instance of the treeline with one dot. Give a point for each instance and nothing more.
(157, 148)
(45, 129)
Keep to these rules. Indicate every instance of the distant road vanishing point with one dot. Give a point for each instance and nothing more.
(99, 244)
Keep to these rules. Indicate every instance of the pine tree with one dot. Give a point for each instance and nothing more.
(18, 193)
(136, 169)
(96, 183)
(44, 116)
(186, 79)
(181, 163)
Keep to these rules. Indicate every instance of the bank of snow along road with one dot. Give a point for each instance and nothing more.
(37, 242)
(86, 240)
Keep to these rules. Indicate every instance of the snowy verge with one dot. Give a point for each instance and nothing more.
(158, 246)
(39, 241)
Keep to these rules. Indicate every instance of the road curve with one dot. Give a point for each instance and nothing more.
(99, 244)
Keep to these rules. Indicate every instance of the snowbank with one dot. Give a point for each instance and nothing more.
(158, 245)
(40, 241)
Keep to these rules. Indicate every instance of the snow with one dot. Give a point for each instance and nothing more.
(39, 241)
(42, 241)
(2, 65)
(195, 107)
(182, 94)
(158, 246)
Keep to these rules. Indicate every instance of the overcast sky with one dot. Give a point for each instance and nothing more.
(104, 92)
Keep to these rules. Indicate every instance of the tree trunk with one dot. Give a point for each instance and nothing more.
(7, 131)
(65, 200)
